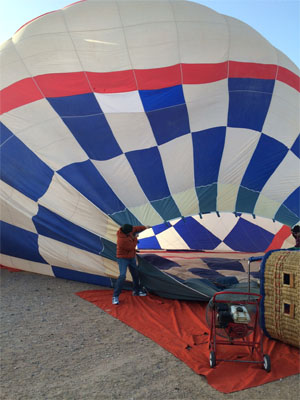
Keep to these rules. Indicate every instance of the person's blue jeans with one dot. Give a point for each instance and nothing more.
(123, 264)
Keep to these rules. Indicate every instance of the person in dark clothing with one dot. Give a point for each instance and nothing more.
(126, 253)
(296, 234)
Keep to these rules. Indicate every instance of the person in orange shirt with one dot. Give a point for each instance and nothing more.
(126, 253)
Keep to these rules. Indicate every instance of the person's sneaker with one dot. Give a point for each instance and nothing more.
(115, 300)
(139, 293)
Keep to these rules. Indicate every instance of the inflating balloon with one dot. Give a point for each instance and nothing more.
(224, 233)
(144, 112)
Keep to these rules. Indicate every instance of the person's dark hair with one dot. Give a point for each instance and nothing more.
(296, 229)
(126, 228)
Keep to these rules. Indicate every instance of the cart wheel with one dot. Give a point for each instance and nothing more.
(267, 363)
(212, 359)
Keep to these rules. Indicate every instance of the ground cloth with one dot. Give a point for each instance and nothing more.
(180, 327)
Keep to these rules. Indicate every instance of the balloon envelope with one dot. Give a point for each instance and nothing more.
(142, 113)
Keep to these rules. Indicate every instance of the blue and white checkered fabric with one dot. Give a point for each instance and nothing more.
(114, 113)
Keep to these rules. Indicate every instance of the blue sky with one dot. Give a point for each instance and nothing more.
(277, 20)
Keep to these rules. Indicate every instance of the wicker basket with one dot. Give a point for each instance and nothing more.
(280, 272)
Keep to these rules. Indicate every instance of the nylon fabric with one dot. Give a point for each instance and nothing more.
(144, 113)
(180, 327)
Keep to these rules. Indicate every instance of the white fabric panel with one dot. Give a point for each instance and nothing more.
(29, 115)
(191, 11)
(128, 102)
(112, 270)
(220, 227)
(289, 242)
(141, 12)
(26, 121)
(179, 171)
(119, 170)
(146, 214)
(102, 51)
(26, 265)
(62, 255)
(170, 239)
(264, 223)
(178, 162)
(207, 104)
(238, 150)
(17, 209)
(284, 61)
(49, 23)
(45, 144)
(174, 221)
(152, 45)
(203, 43)
(67, 202)
(146, 234)
(12, 68)
(100, 15)
(283, 119)
(74, 20)
(223, 247)
(131, 130)
(227, 195)
(247, 45)
(187, 202)
(49, 53)
(278, 188)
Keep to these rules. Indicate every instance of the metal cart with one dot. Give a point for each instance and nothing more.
(234, 321)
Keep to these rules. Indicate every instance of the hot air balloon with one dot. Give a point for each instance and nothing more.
(162, 113)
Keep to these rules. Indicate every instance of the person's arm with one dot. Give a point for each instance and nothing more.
(140, 228)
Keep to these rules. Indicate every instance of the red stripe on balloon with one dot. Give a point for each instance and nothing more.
(63, 84)
(158, 78)
(112, 82)
(204, 73)
(68, 84)
(18, 94)
(279, 238)
(251, 70)
(289, 78)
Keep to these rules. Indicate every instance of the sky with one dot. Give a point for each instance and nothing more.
(277, 20)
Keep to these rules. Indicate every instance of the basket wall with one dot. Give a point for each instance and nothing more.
(280, 279)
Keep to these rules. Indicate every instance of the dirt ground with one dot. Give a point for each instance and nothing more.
(55, 345)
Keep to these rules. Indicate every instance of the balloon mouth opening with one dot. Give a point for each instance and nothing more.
(217, 232)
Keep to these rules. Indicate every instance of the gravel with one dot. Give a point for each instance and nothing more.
(55, 345)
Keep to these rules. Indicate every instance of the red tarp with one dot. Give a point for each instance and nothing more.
(180, 327)
(10, 269)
